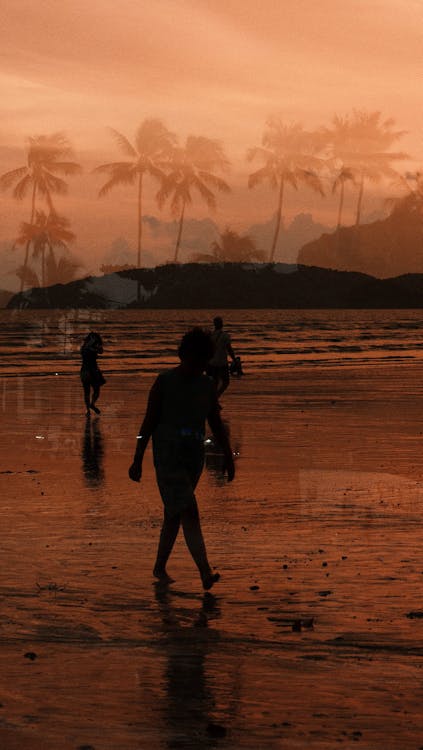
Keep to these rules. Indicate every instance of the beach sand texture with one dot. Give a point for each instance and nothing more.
(313, 638)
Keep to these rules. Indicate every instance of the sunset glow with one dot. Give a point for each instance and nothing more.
(211, 68)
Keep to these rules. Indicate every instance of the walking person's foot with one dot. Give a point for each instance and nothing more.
(209, 580)
(162, 575)
(95, 409)
(88, 413)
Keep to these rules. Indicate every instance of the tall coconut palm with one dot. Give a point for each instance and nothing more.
(231, 248)
(361, 142)
(148, 156)
(45, 233)
(290, 156)
(193, 169)
(342, 176)
(48, 157)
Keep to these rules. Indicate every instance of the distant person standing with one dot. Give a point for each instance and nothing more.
(91, 375)
(218, 367)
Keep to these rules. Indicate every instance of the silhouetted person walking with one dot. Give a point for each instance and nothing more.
(218, 366)
(179, 403)
(91, 375)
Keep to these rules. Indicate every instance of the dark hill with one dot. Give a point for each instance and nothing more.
(386, 248)
(229, 285)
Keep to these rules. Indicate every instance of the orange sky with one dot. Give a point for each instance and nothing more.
(211, 67)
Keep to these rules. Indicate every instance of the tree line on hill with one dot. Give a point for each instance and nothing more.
(350, 153)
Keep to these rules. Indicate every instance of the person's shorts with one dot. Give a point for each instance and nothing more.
(178, 465)
(94, 378)
(219, 373)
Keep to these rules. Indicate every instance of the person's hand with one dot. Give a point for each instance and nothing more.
(229, 466)
(135, 471)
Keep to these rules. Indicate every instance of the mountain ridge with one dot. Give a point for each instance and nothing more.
(228, 285)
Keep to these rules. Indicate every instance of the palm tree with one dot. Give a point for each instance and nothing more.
(289, 156)
(412, 202)
(47, 232)
(342, 176)
(48, 156)
(231, 248)
(58, 271)
(193, 168)
(148, 156)
(61, 270)
(361, 142)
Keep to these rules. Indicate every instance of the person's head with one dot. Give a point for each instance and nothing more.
(93, 338)
(218, 322)
(196, 349)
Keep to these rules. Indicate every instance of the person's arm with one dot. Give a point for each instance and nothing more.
(150, 421)
(229, 349)
(218, 429)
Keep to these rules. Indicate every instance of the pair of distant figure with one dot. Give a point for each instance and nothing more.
(218, 367)
(92, 378)
(180, 402)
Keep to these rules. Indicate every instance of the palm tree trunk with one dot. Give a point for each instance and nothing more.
(139, 233)
(43, 266)
(139, 221)
(178, 240)
(25, 263)
(278, 221)
(359, 201)
(341, 205)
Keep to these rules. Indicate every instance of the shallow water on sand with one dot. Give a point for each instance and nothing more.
(313, 637)
(42, 342)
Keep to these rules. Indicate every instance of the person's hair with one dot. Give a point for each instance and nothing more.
(196, 344)
(93, 336)
(218, 321)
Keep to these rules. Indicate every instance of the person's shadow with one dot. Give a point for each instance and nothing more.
(92, 453)
(187, 640)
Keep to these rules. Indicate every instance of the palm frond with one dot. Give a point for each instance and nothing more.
(7, 179)
(124, 144)
(115, 182)
(312, 180)
(113, 167)
(205, 193)
(65, 167)
(52, 184)
(256, 178)
(214, 181)
(22, 187)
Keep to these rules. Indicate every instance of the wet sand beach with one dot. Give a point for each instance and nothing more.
(313, 638)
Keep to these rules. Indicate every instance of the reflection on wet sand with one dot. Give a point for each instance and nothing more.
(214, 460)
(189, 707)
(92, 453)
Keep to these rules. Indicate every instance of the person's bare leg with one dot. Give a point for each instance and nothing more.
(224, 383)
(96, 393)
(167, 539)
(87, 398)
(195, 542)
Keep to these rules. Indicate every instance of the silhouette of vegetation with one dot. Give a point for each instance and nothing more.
(149, 156)
(411, 203)
(193, 169)
(360, 142)
(110, 268)
(231, 248)
(343, 176)
(46, 233)
(289, 156)
(354, 150)
(48, 157)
